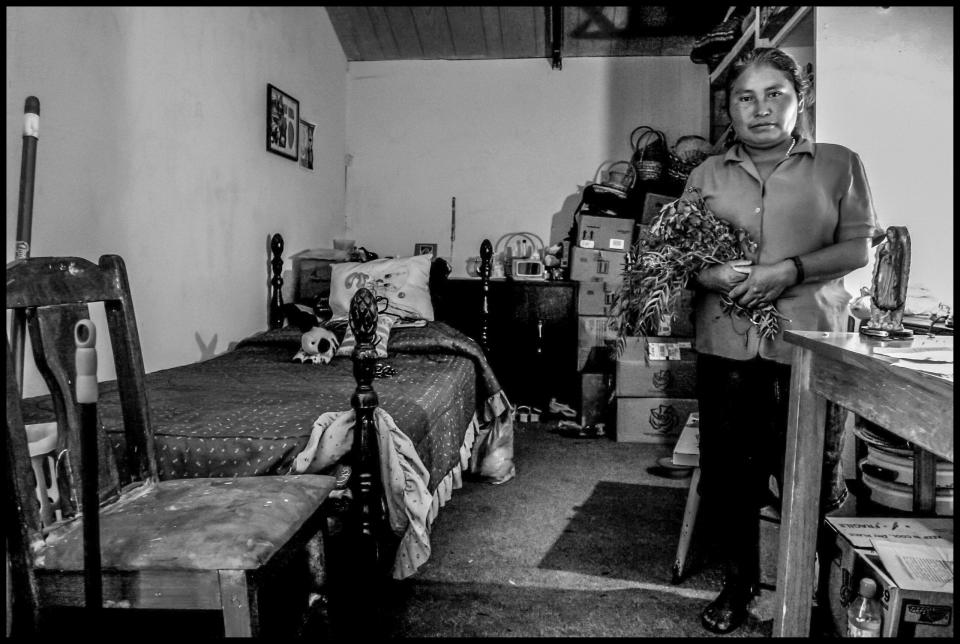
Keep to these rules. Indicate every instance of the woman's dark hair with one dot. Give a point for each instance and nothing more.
(778, 59)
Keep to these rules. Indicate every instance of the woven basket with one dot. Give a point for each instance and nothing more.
(650, 153)
(648, 170)
(688, 152)
(617, 175)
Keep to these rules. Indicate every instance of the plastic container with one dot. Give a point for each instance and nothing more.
(899, 496)
(899, 469)
(863, 616)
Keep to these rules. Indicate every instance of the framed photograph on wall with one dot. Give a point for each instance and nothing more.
(425, 249)
(306, 144)
(283, 118)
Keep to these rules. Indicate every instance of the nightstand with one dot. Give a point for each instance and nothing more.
(532, 331)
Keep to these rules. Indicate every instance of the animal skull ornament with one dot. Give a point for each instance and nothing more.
(318, 345)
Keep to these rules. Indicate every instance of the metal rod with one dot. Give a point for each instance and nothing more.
(556, 36)
(453, 224)
(85, 337)
(28, 164)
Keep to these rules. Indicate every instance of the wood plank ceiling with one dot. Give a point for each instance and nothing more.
(475, 33)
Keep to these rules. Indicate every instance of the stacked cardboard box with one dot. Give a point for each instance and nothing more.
(597, 261)
(655, 379)
(919, 606)
(655, 375)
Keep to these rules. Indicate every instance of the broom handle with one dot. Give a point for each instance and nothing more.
(28, 164)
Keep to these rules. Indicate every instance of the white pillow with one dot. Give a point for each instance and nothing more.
(403, 281)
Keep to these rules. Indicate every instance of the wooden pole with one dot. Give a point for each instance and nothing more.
(28, 164)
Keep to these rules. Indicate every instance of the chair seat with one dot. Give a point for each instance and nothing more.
(194, 524)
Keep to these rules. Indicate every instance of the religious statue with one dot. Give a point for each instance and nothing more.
(888, 294)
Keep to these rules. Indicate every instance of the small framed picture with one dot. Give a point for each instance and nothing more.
(306, 145)
(425, 249)
(283, 118)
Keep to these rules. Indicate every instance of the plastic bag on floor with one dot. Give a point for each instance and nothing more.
(492, 455)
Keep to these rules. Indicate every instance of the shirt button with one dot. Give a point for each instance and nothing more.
(756, 210)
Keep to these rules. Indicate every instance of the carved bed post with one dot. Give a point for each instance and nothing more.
(276, 297)
(367, 518)
(486, 262)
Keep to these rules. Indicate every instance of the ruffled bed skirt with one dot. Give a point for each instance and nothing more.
(487, 450)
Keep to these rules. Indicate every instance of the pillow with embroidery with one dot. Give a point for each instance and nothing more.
(404, 282)
(384, 324)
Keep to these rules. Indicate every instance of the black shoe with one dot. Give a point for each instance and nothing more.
(728, 611)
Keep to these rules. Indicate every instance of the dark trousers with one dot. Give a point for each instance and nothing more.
(743, 417)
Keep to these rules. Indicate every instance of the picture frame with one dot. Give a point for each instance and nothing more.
(283, 118)
(306, 145)
(421, 248)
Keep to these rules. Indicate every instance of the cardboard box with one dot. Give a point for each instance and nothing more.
(595, 390)
(664, 367)
(604, 233)
(596, 298)
(596, 359)
(906, 612)
(681, 322)
(590, 265)
(595, 331)
(652, 420)
(652, 204)
(687, 449)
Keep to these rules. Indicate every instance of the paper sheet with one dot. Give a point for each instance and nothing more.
(944, 370)
(918, 354)
(915, 566)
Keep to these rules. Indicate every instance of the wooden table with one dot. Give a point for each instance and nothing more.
(842, 367)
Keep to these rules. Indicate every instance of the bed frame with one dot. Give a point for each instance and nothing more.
(365, 520)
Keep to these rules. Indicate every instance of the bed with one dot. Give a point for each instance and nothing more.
(254, 409)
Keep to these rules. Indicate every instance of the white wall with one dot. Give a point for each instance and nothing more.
(885, 90)
(152, 146)
(513, 140)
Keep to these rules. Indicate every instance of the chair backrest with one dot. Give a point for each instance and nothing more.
(55, 293)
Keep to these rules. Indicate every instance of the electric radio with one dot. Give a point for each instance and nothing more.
(527, 269)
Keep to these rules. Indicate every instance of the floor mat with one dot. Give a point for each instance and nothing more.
(630, 532)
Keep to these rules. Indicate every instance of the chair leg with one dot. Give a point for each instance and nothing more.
(238, 603)
(686, 529)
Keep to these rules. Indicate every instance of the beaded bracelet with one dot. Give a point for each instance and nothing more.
(796, 262)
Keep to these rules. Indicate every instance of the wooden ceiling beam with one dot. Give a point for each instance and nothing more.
(490, 32)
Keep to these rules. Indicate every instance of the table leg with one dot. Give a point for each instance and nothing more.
(801, 496)
(924, 482)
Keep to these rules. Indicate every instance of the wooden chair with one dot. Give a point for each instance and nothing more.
(197, 544)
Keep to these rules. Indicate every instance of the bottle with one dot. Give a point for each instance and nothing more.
(863, 616)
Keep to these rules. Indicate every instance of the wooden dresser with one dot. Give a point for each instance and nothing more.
(533, 334)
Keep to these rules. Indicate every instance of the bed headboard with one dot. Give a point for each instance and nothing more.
(439, 272)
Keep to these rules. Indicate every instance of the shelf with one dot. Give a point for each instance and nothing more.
(788, 27)
(748, 35)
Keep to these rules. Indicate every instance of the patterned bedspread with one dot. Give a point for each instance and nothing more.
(250, 411)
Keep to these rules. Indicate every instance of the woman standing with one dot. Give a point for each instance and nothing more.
(808, 206)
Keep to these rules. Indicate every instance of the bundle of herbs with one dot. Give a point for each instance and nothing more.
(685, 238)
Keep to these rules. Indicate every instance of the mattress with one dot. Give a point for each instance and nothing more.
(250, 410)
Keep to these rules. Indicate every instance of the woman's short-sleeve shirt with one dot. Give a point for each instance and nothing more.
(816, 197)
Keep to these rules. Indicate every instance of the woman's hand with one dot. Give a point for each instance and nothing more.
(764, 284)
(723, 277)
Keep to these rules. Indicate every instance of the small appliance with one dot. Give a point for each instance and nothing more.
(521, 255)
